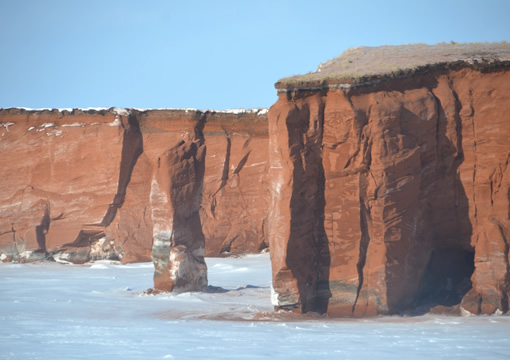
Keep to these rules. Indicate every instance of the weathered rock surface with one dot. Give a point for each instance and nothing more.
(380, 182)
(85, 184)
(392, 195)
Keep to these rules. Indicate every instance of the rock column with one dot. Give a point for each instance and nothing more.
(176, 192)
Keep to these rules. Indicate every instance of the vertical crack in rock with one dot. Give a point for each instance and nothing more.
(365, 235)
(226, 164)
(42, 229)
(365, 216)
(475, 154)
(504, 292)
(241, 164)
(132, 148)
(323, 262)
(459, 158)
(13, 233)
(224, 174)
(227, 244)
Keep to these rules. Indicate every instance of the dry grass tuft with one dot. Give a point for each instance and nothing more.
(364, 64)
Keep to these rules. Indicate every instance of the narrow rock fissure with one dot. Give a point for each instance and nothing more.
(132, 148)
(226, 165)
(241, 164)
(227, 245)
(504, 300)
(42, 229)
(323, 256)
(458, 126)
(475, 155)
(365, 238)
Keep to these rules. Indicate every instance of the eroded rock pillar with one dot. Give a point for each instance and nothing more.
(178, 240)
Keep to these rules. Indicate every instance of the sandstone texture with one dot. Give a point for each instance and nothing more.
(82, 185)
(391, 188)
(379, 182)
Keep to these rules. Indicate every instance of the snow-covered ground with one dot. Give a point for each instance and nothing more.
(54, 311)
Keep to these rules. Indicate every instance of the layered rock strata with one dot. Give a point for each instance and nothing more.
(391, 192)
(81, 185)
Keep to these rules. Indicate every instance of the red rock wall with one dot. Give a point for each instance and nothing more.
(385, 199)
(77, 186)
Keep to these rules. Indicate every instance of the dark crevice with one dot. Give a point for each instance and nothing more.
(241, 163)
(13, 233)
(446, 280)
(459, 159)
(365, 236)
(132, 148)
(86, 238)
(226, 166)
(363, 248)
(440, 116)
(42, 229)
(263, 244)
(308, 256)
(227, 245)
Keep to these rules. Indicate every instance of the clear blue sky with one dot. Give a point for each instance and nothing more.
(206, 54)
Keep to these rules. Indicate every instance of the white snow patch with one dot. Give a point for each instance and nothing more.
(274, 297)
(125, 111)
(31, 128)
(121, 111)
(116, 122)
(94, 109)
(78, 124)
(6, 125)
(257, 164)
(465, 312)
(33, 109)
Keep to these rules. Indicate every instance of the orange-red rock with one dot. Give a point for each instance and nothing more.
(392, 196)
(81, 185)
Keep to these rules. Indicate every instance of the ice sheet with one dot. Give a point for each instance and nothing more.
(55, 311)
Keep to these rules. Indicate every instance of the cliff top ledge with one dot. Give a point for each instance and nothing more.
(126, 111)
(364, 66)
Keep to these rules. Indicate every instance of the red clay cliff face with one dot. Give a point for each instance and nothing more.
(392, 197)
(87, 184)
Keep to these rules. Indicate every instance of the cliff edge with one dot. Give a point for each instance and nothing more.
(88, 184)
(390, 182)
(367, 66)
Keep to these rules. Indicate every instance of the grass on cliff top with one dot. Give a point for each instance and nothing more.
(362, 63)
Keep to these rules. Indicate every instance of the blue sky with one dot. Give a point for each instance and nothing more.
(206, 54)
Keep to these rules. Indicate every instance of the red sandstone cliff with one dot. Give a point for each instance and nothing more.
(384, 188)
(91, 184)
(391, 191)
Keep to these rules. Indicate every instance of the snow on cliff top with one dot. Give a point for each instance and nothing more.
(362, 64)
(125, 111)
